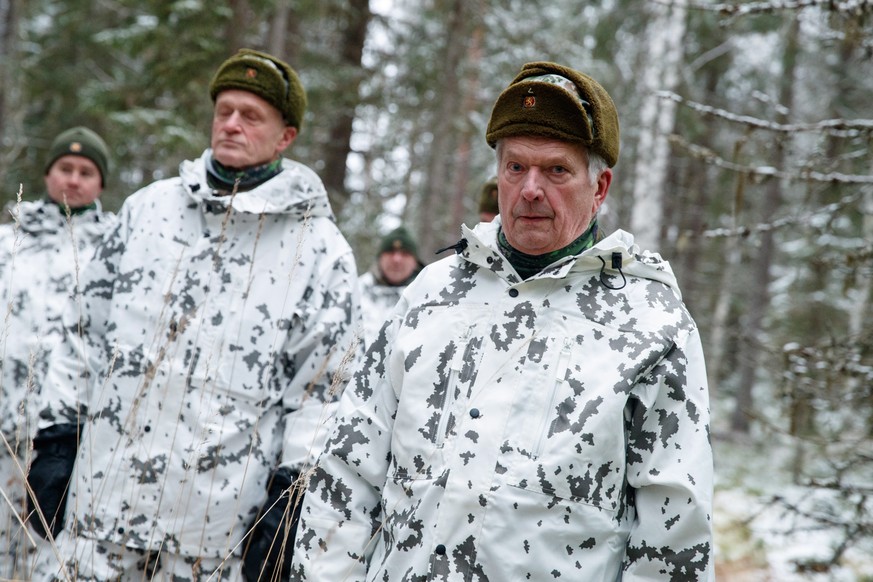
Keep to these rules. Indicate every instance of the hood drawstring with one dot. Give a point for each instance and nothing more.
(458, 246)
(615, 264)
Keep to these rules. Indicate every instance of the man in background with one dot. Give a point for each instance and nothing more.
(42, 251)
(488, 207)
(396, 265)
(199, 365)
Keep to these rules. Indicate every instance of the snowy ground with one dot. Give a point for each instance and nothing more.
(760, 541)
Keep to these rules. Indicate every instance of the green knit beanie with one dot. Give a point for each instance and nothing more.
(80, 141)
(550, 100)
(267, 77)
(398, 239)
(488, 198)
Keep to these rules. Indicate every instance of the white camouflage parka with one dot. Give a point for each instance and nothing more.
(41, 255)
(377, 302)
(212, 339)
(549, 429)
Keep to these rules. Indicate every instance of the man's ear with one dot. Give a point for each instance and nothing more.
(288, 137)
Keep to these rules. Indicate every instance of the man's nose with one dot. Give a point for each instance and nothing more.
(531, 187)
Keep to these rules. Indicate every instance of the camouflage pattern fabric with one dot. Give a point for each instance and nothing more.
(41, 254)
(215, 334)
(377, 301)
(545, 429)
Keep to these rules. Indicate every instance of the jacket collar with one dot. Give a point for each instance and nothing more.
(296, 190)
(482, 250)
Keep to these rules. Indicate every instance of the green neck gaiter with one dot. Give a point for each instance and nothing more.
(73, 211)
(529, 265)
(221, 177)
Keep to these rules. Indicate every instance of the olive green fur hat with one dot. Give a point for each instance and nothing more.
(488, 198)
(80, 141)
(267, 77)
(541, 101)
(398, 239)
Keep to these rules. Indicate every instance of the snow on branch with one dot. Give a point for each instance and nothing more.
(847, 7)
(710, 157)
(806, 218)
(833, 127)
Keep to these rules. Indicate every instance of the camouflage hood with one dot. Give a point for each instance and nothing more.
(42, 217)
(297, 190)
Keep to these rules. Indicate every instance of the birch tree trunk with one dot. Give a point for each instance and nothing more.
(657, 116)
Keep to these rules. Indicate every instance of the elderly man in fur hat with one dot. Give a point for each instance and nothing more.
(209, 341)
(538, 409)
(43, 247)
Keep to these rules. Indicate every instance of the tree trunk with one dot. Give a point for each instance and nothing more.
(336, 151)
(8, 28)
(757, 292)
(460, 191)
(657, 117)
(438, 183)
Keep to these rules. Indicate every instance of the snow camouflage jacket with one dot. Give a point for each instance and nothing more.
(215, 330)
(377, 301)
(41, 255)
(501, 429)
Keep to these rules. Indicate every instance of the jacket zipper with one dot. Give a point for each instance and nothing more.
(451, 384)
(560, 372)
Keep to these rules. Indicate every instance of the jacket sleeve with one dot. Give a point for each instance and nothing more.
(75, 363)
(340, 513)
(319, 359)
(670, 470)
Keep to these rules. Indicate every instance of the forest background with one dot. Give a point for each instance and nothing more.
(746, 161)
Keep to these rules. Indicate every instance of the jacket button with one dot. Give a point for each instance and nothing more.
(121, 531)
(441, 550)
(474, 412)
(147, 428)
(513, 292)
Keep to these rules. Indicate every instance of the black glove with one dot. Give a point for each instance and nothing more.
(271, 545)
(55, 454)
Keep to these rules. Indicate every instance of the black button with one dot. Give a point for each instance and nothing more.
(441, 550)
(474, 412)
(147, 428)
(206, 234)
(121, 531)
(513, 292)
(490, 260)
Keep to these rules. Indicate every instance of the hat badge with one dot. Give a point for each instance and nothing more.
(397, 244)
(529, 102)
(251, 73)
(76, 147)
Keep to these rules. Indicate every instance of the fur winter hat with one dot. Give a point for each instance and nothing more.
(550, 100)
(80, 141)
(267, 77)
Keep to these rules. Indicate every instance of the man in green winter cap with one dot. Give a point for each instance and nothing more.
(397, 264)
(215, 326)
(42, 254)
(488, 207)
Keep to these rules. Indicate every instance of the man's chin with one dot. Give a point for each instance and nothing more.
(229, 157)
